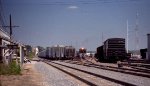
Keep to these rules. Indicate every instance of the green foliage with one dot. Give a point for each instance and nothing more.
(11, 69)
(31, 55)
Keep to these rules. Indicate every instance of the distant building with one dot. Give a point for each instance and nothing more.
(40, 48)
(35, 50)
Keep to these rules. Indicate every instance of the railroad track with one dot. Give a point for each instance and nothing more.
(137, 72)
(141, 68)
(87, 77)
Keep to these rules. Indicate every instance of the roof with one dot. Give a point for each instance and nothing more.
(58, 46)
(115, 38)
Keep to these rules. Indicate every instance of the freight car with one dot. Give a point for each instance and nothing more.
(69, 52)
(112, 50)
(100, 53)
(42, 54)
(59, 52)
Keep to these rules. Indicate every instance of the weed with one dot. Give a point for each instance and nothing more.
(11, 69)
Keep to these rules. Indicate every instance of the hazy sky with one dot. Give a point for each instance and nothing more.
(77, 22)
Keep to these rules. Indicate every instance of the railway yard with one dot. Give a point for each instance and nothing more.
(74, 43)
(86, 73)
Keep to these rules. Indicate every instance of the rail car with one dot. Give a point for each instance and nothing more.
(69, 52)
(112, 50)
(42, 54)
(58, 52)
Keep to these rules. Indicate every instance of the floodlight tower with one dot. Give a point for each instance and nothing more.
(127, 37)
(102, 38)
(136, 33)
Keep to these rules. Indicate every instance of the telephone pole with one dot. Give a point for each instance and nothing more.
(10, 27)
(10, 34)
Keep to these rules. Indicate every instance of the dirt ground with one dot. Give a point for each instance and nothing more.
(29, 77)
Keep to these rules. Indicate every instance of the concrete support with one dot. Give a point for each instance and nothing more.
(148, 46)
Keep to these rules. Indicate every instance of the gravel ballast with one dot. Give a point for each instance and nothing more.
(136, 80)
(52, 76)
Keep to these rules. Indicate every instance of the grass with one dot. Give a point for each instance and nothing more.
(31, 55)
(11, 69)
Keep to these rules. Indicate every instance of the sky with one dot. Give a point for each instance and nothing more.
(80, 23)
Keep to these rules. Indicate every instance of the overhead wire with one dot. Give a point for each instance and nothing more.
(88, 2)
(2, 18)
(82, 2)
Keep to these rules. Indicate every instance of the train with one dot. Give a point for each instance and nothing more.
(58, 52)
(112, 50)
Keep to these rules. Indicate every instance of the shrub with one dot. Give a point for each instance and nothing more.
(11, 69)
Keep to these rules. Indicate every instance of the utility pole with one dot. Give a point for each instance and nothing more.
(10, 27)
(10, 34)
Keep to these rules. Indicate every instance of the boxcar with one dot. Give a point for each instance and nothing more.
(112, 50)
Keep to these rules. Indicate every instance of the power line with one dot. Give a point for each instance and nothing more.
(82, 2)
(2, 17)
(10, 26)
(88, 2)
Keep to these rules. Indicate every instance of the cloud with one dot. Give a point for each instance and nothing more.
(73, 7)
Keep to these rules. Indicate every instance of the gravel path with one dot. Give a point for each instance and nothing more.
(136, 80)
(54, 77)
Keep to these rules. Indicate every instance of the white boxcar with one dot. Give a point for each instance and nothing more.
(48, 52)
(42, 54)
(59, 52)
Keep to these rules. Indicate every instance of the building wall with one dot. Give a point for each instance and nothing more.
(6, 57)
(3, 42)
